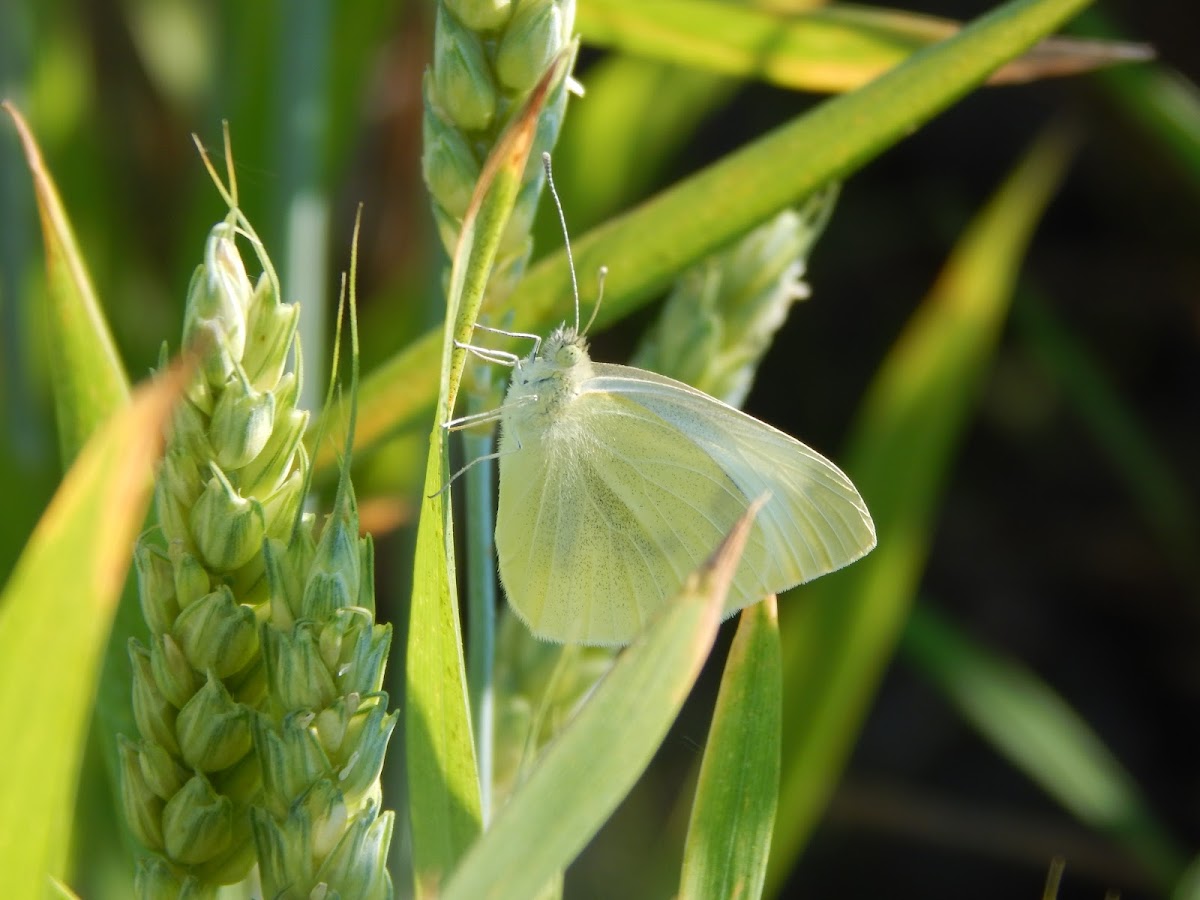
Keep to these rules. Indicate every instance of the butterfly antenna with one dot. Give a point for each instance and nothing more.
(600, 276)
(562, 220)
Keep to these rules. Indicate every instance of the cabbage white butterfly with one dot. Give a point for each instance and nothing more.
(616, 482)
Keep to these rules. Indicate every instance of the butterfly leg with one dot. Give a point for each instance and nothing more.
(488, 354)
(489, 415)
(474, 462)
(479, 418)
(536, 338)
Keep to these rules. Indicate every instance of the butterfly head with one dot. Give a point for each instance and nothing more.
(565, 348)
(546, 382)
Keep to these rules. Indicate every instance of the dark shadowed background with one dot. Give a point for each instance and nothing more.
(1046, 550)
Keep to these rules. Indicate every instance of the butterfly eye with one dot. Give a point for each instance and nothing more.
(568, 355)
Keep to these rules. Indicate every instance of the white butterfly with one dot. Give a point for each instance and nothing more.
(616, 483)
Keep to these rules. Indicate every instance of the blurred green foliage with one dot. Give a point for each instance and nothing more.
(1063, 540)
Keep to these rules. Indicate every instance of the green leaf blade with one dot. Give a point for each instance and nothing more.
(839, 639)
(553, 814)
(836, 48)
(729, 835)
(443, 778)
(55, 614)
(89, 380)
(647, 247)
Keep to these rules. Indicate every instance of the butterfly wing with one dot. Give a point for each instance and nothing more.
(602, 515)
(607, 508)
(814, 521)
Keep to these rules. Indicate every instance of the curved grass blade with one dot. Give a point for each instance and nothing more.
(442, 778)
(1167, 106)
(89, 384)
(55, 614)
(1157, 98)
(840, 637)
(1032, 726)
(729, 835)
(647, 247)
(831, 49)
(550, 817)
(89, 380)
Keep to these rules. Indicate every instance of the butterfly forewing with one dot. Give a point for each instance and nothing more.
(814, 522)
